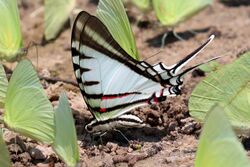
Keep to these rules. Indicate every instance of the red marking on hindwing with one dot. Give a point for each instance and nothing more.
(155, 99)
(103, 110)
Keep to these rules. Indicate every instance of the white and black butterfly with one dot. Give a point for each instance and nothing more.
(112, 82)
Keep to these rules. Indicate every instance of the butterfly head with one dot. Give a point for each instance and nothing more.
(95, 127)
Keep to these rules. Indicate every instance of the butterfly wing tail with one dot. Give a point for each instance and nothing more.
(178, 79)
(177, 67)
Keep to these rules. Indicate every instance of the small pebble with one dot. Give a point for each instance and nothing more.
(36, 154)
(44, 165)
(121, 151)
(188, 128)
(112, 146)
(172, 125)
(130, 150)
(99, 164)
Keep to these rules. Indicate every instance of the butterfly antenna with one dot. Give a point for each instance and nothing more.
(117, 130)
(152, 55)
(177, 67)
(163, 39)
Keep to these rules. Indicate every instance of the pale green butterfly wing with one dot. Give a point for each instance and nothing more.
(229, 86)
(56, 14)
(4, 153)
(218, 145)
(113, 15)
(27, 108)
(65, 143)
(142, 4)
(3, 85)
(172, 12)
(10, 37)
(248, 95)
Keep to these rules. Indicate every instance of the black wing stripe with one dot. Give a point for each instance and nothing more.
(90, 83)
(120, 105)
(76, 66)
(77, 53)
(164, 69)
(147, 65)
(74, 51)
(107, 96)
(119, 95)
(79, 80)
(91, 96)
(85, 69)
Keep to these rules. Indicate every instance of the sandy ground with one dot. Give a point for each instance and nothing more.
(171, 137)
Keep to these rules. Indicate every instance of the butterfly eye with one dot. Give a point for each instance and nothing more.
(89, 128)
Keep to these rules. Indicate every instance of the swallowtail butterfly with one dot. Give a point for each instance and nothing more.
(112, 82)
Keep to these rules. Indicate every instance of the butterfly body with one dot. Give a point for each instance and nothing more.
(112, 82)
(123, 121)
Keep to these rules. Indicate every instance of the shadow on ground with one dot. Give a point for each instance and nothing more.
(236, 3)
(171, 38)
(146, 134)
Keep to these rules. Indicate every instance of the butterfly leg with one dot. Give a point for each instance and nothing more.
(178, 36)
(101, 135)
(193, 32)
(163, 39)
(117, 130)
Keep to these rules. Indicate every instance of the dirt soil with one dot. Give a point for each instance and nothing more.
(171, 136)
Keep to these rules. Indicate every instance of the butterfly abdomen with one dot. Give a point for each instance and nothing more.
(124, 121)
